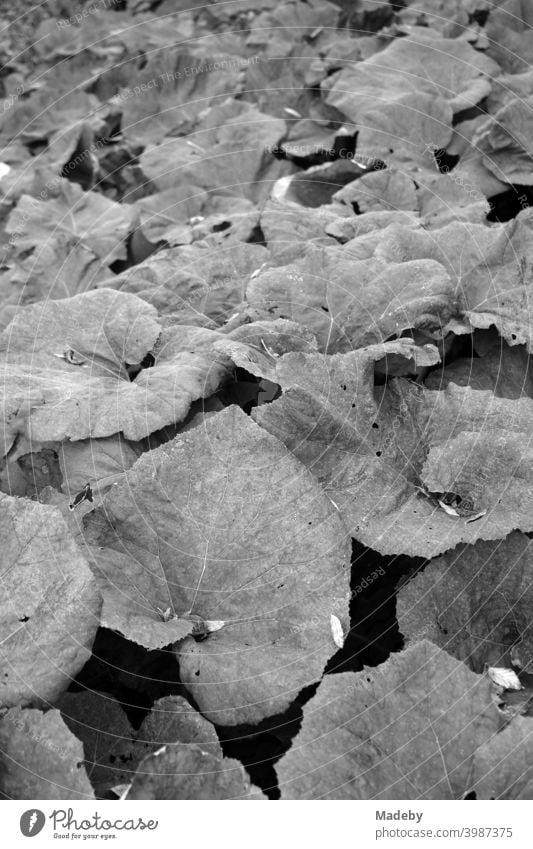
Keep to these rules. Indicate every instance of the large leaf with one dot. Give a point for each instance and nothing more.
(49, 603)
(76, 384)
(388, 189)
(401, 127)
(107, 328)
(188, 772)
(66, 466)
(229, 154)
(505, 141)
(423, 65)
(459, 247)
(99, 722)
(194, 283)
(349, 302)
(449, 17)
(224, 524)
(475, 602)
(74, 216)
(498, 290)
(509, 31)
(379, 454)
(37, 117)
(40, 758)
(59, 269)
(504, 370)
(288, 229)
(58, 354)
(113, 750)
(503, 766)
(407, 730)
(178, 86)
(257, 346)
(402, 99)
(183, 215)
(445, 198)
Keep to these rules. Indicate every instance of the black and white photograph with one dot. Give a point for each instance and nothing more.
(266, 476)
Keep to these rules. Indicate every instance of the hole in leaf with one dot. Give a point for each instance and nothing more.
(219, 228)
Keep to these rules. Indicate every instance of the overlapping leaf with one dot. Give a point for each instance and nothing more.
(197, 284)
(40, 758)
(290, 188)
(67, 466)
(505, 140)
(178, 86)
(503, 765)
(224, 524)
(474, 602)
(229, 155)
(504, 370)
(424, 65)
(349, 303)
(408, 730)
(188, 772)
(387, 457)
(73, 217)
(113, 750)
(49, 602)
(65, 374)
